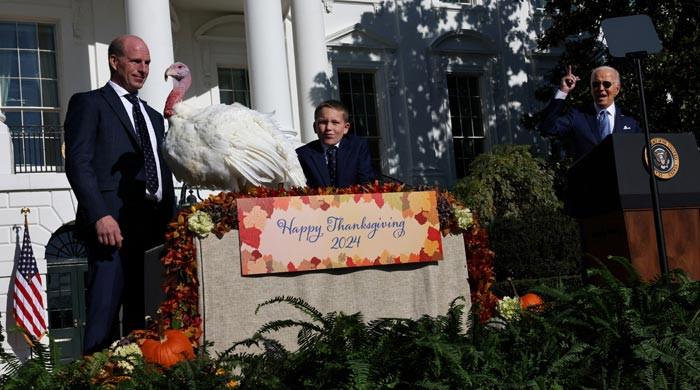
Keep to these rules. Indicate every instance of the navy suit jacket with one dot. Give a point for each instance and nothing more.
(354, 164)
(104, 162)
(581, 124)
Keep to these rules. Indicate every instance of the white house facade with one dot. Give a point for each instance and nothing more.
(429, 83)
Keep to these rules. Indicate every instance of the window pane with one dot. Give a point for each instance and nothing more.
(346, 98)
(52, 144)
(372, 121)
(49, 93)
(26, 35)
(8, 35)
(464, 108)
(474, 86)
(13, 97)
(344, 82)
(48, 65)
(13, 118)
(356, 90)
(456, 127)
(454, 104)
(28, 63)
(32, 118)
(30, 93)
(224, 79)
(52, 120)
(358, 104)
(226, 97)
(8, 63)
(239, 80)
(368, 82)
(46, 37)
(33, 84)
(465, 117)
(233, 86)
(360, 126)
(370, 104)
(356, 82)
(241, 97)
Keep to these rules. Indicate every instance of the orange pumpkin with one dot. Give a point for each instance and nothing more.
(172, 347)
(531, 301)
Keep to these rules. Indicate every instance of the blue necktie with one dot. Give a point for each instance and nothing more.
(603, 124)
(145, 140)
(331, 160)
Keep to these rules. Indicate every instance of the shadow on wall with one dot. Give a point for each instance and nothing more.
(414, 92)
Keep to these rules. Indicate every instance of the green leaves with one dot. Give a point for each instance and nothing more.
(505, 182)
(610, 333)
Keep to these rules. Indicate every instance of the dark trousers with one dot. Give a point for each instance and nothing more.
(116, 279)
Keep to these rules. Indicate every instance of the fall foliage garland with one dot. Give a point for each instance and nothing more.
(181, 285)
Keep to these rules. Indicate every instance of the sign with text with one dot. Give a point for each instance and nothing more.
(304, 233)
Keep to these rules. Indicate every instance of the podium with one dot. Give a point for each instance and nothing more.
(609, 194)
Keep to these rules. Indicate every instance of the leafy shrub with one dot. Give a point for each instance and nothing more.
(610, 335)
(539, 243)
(513, 194)
(505, 182)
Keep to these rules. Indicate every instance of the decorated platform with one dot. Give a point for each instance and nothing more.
(213, 295)
(228, 300)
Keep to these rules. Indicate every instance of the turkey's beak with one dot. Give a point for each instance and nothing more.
(172, 73)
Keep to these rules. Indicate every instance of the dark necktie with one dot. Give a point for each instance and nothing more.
(142, 131)
(332, 163)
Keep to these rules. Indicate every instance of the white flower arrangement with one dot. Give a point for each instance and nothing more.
(464, 216)
(509, 308)
(200, 223)
(128, 355)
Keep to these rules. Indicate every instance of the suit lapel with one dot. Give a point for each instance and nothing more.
(115, 103)
(620, 122)
(593, 134)
(344, 153)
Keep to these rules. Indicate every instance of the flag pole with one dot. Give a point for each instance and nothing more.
(25, 211)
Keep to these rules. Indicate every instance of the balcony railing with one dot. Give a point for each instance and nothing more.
(37, 149)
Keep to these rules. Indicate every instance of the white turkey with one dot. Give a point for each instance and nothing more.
(226, 146)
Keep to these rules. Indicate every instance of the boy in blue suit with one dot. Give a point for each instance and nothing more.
(588, 125)
(335, 159)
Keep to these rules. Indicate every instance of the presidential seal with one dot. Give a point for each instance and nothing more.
(665, 158)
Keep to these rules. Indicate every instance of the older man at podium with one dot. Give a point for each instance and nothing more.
(588, 125)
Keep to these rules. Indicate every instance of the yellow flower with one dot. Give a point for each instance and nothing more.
(464, 217)
(128, 355)
(200, 223)
(509, 308)
(232, 383)
(220, 372)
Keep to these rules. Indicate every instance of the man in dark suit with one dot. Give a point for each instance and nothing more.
(336, 159)
(588, 125)
(124, 189)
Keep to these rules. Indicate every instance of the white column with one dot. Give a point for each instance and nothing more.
(150, 20)
(312, 66)
(267, 65)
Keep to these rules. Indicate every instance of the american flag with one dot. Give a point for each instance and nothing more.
(28, 305)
